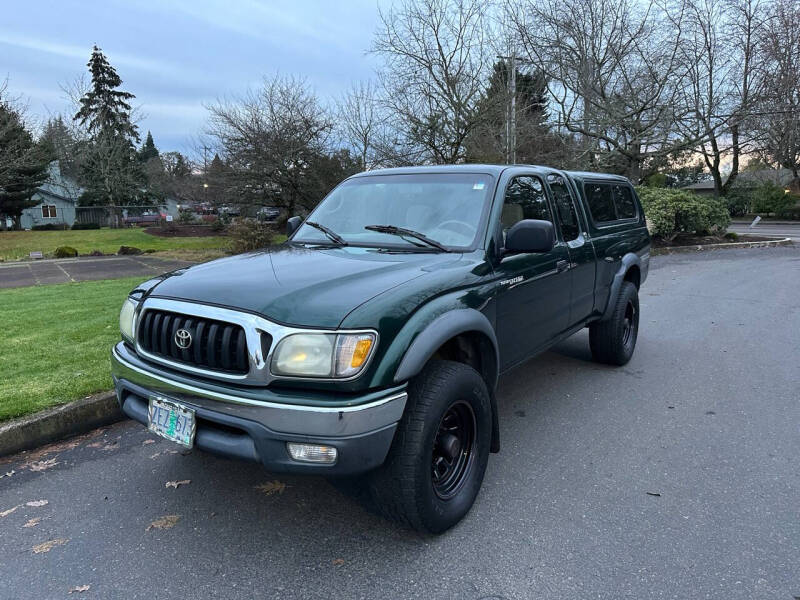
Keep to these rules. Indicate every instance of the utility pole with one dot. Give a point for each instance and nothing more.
(511, 113)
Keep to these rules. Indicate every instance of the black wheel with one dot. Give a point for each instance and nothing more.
(613, 341)
(435, 467)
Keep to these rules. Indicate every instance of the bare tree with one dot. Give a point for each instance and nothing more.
(779, 113)
(271, 139)
(361, 122)
(615, 72)
(436, 63)
(722, 87)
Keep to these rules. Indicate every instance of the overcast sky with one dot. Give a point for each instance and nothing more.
(176, 55)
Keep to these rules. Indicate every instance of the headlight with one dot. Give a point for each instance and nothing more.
(127, 316)
(325, 355)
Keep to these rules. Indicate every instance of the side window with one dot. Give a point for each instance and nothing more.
(565, 208)
(524, 199)
(623, 200)
(600, 201)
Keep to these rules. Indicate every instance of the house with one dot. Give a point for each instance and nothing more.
(56, 199)
(750, 180)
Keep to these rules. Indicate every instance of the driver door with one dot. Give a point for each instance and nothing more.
(534, 289)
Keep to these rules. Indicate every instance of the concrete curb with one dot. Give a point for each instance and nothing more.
(57, 423)
(701, 247)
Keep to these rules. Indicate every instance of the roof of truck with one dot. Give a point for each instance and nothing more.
(495, 170)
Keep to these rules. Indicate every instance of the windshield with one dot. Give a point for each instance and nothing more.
(445, 207)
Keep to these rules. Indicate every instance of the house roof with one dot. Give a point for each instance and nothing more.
(750, 179)
(60, 185)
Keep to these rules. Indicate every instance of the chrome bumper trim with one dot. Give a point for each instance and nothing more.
(279, 417)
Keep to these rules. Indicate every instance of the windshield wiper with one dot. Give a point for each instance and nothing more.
(403, 232)
(329, 232)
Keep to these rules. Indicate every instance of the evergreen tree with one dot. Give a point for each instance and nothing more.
(64, 145)
(110, 172)
(148, 149)
(23, 163)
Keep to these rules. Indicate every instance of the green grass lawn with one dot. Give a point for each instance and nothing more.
(55, 342)
(19, 244)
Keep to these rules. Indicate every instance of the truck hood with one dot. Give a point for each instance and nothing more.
(295, 285)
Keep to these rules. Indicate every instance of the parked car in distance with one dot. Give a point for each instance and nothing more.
(370, 343)
(268, 213)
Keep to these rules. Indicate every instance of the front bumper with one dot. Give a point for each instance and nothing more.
(255, 424)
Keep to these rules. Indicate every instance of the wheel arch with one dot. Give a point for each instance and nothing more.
(462, 335)
(629, 270)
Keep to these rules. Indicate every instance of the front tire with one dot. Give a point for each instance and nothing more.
(438, 457)
(613, 341)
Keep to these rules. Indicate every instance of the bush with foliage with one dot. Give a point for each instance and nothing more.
(81, 226)
(739, 201)
(50, 227)
(128, 251)
(773, 199)
(65, 252)
(671, 212)
(249, 234)
(185, 216)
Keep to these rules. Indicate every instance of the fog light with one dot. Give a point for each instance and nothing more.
(312, 453)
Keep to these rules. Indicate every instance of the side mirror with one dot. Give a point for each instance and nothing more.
(293, 225)
(530, 235)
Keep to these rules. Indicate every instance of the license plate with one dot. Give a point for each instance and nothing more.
(171, 420)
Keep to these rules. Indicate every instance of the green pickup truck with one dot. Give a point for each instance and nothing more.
(370, 343)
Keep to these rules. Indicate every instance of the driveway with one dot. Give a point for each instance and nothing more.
(42, 272)
(673, 477)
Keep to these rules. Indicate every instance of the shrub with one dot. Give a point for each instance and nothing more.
(96, 253)
(249, 234)
(81, 226)
(50, 227)
(217, 225)
(128, 251)
(731, 235)
(186, 215)
(671, 212)
(771, 198)
(65, 252)
(739, 202)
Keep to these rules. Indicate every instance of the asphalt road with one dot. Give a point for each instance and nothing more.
(790, 230)
(674, 477)
(43, 272)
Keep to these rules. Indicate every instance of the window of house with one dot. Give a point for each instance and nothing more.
(600, 201)
(48, 211)
(623, 200)
(524, 199)
(565, 208)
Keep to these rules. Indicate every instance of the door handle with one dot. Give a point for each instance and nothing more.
(562, 265)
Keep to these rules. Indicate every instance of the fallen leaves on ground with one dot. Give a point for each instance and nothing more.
(47, 546)
(271, 487)
(35, 503)
(79, 588)
(175, 484)
(157, 454)
(8, 473)
(43, 465)
(5, 513)
(148, 441)
(338, 562)
(165, 522)
(32, 522)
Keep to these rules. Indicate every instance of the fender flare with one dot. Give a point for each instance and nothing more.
(436, 333)
(628, 260)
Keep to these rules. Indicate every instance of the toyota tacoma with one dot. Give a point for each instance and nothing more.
(370, 343)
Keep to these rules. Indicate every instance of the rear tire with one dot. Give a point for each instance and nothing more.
(613, 341)
(438, 457)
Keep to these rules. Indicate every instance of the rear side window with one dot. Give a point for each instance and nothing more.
(601, 203)
(609, 202)
(623, 200)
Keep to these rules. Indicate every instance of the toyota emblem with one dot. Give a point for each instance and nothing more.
(183, 339)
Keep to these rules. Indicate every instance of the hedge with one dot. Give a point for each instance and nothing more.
(671, 212)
